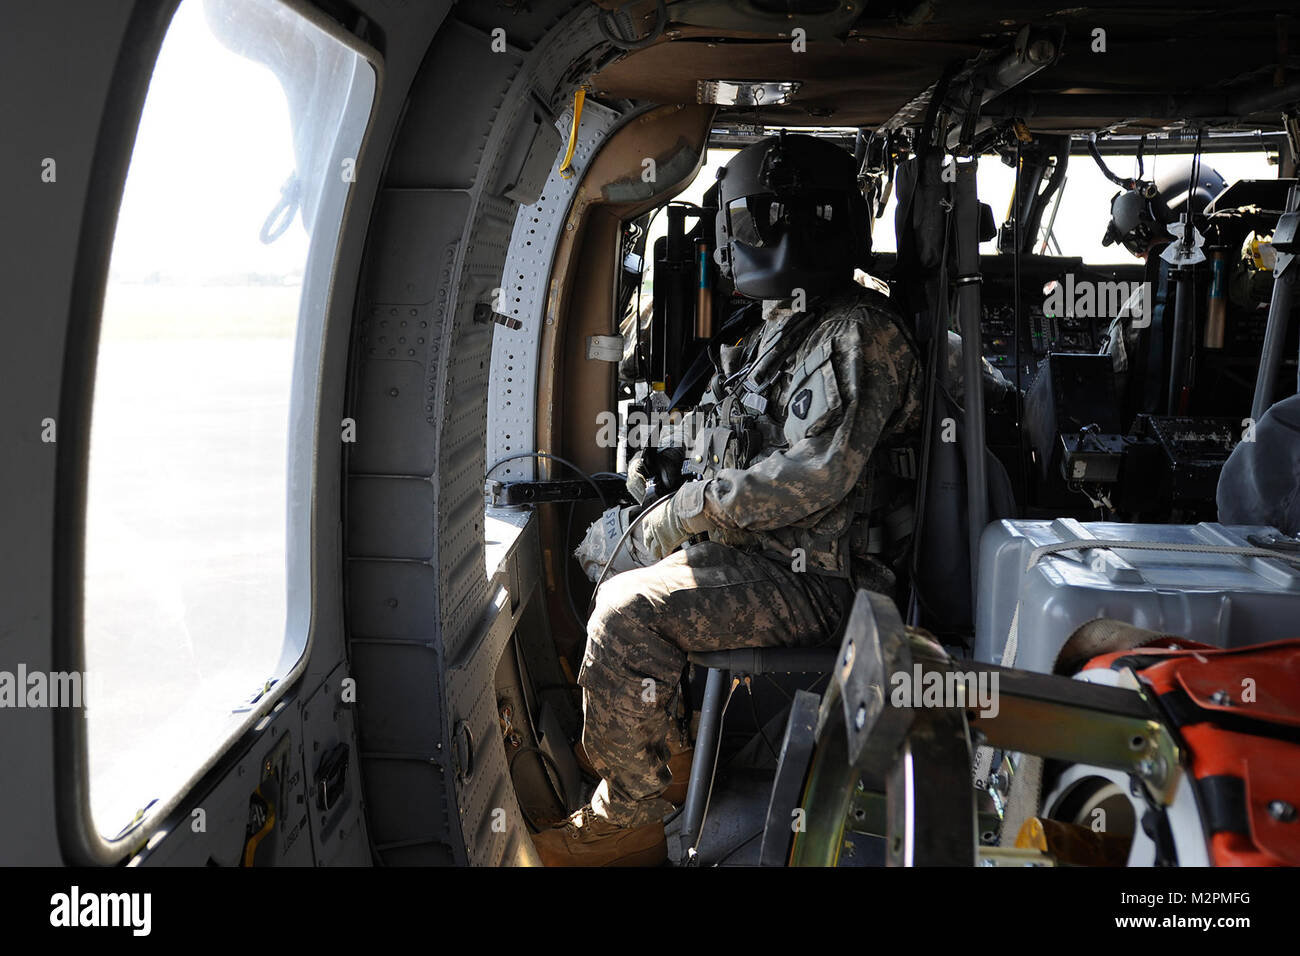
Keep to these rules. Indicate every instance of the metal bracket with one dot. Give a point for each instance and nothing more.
(1286, 241)
(1083, 723)
(919, 755)
(484, 313)
(605, 348)
(875, 646)
(1184, 252)
(787, 786)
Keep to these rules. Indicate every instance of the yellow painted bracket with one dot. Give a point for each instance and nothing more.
(566, 167)
(250, 849)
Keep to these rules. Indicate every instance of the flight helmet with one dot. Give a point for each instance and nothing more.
(1140, 217)
(790, 216)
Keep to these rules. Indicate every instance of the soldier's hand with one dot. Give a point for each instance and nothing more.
(662, 465)
(637, 476)
(601, 539)
(662, 532)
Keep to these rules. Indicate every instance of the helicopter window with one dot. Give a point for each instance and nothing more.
(714, 160)
(1083, 213)
(1079, 213)
(197, 537)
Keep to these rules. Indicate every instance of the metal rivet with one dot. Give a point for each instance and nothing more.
(1281, 811)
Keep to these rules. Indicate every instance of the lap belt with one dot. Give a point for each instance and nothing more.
(875, 537)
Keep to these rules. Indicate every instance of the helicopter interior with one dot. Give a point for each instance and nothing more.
(505, 279)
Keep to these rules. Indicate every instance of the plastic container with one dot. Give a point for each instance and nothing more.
(1218, 599)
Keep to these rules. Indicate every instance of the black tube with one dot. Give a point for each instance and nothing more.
(1035, 201)
(702, 763)
(1270, 358)
(1279, 317)
(968, 312)
(759, 660)
(1182, 328)
(1101, 164)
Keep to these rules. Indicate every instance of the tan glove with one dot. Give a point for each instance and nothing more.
(602, 537)
(663, 531)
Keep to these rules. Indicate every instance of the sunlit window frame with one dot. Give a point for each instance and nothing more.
(80, 838)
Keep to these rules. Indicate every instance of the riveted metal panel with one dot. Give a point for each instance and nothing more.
(390, 598)
(512, 393)
(418, 596)
(418, 230)
(408, 672)
(463, 85)
(398, 517)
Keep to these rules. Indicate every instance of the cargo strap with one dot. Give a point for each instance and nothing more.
(899, 522)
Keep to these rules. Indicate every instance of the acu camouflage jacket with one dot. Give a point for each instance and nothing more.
(791, 441)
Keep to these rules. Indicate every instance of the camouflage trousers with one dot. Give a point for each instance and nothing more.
(706, 597)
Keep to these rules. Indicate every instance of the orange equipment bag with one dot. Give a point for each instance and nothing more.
(1238, 714)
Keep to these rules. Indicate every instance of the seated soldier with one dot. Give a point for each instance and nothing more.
(786, 515)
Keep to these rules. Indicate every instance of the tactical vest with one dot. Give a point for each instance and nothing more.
(757, 404)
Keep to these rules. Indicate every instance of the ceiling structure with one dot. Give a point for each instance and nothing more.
(1165, 64)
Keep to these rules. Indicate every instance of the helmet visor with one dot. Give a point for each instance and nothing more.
(764, 219)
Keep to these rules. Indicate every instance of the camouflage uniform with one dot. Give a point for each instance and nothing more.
(791, 473)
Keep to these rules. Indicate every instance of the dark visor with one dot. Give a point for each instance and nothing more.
(762, 219)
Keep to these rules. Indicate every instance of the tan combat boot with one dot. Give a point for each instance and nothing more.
(588, 840)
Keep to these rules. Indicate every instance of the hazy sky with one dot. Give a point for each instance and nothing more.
(213, 148)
